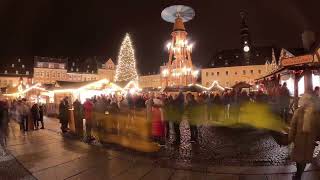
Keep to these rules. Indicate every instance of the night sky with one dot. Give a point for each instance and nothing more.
(96, 28)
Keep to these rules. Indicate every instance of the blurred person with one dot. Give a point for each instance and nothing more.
(168, 115)
(304, 132)
(316, 91)
(217, 107)
(192, 112)
(99, 109)
(23, 111)
(157, 121)
(78, 117)
(149, 104)
(35, 115)
(210, 106)
(63, 114)
(4, 120)
(178, 110)
(41, 114)
(284, 101)
(88, 113)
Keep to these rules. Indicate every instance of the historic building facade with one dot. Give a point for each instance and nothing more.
(16, 72)
(49, 70)
(150, 81)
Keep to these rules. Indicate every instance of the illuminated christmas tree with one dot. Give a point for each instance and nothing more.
(126, 68)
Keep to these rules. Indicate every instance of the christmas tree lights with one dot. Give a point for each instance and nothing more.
(126, 68)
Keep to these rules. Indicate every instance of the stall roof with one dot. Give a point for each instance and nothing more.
(71, 85)
(191, 88)
(241, 85)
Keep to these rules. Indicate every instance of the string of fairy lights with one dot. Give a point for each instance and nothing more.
(126, 68)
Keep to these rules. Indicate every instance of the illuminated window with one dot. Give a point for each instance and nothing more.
(17, 72)
(22, 66)
(5, 71)
(27, 72)
(12, 65)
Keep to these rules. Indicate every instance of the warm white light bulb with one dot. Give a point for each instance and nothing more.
(246, 48)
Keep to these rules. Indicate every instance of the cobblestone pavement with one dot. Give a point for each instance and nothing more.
(10, 168)
(48, 155)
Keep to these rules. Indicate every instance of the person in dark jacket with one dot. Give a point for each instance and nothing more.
(78, 117)
(63, 114)
(35, 115)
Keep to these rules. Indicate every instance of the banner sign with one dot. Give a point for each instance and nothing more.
(297, 60)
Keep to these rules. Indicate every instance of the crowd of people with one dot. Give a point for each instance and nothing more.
(164, 111)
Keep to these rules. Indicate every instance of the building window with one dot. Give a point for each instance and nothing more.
(73, 63)
(23, 66)
(212, 73)
(235, 73)
(207, 84)
(251, 71)
(17, 72)
(227, 73)
(58, 75)
(218, 73)
(259, 71)
(77, 69)
(244, 72)
(10, 82)
(27, 72)
(12, 65)
(207, 74)
(5, 71)
(71, 69)
(19, 60)
(227, 84)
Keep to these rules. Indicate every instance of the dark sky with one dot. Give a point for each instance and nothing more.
(69, 28)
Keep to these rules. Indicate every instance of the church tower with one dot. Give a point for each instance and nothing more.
(245, 39)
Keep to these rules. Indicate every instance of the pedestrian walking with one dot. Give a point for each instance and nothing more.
(304, 132)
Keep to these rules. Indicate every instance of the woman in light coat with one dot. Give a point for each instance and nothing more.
(304, 133)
